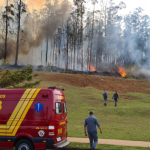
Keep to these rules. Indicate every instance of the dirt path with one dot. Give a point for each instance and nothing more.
(112, 142)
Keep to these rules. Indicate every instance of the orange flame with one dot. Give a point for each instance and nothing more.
(122, 72)
(91, 67)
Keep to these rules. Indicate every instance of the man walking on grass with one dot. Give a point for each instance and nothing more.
(90, 124)
(105, 97)
(115, 97)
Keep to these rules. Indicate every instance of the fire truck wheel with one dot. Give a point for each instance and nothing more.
(24, 145)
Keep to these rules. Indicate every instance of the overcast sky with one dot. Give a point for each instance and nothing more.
(131, 5)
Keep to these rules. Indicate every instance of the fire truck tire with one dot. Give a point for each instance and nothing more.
(24, 145)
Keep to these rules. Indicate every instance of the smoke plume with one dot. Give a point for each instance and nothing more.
(35, 30)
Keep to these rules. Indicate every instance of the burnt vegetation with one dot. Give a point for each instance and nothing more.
(71, 36)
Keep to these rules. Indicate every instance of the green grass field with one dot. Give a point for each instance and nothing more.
(128, 121)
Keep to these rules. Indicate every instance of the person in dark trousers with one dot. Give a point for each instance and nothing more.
(115, 97)
(90, 124)
(105, 97)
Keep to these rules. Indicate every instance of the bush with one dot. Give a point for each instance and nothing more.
(15, 79)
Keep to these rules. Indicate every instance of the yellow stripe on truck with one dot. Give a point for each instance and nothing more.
(17, 108)
(17, 112)
(23, 107)
(20, 112)
(21, 101)
(25, 112)
(25, 94)
(30, 103)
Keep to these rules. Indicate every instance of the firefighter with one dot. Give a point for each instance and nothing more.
(90, 123)
(105, 97)
(115, 97)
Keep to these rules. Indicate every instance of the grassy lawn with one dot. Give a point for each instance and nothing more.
(107, 147)
(128, 121)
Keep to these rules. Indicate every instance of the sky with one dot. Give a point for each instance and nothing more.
(131, 5)
(32, 4)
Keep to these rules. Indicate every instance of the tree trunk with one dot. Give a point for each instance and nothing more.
(105, 37)
(92, 37)
(18, 33)
(46, 50)
(41, 54)
(72, 54)
(82, 35)
(5, 52)
(88, 49)
(54, 52)
(74, 47)
(67, 47)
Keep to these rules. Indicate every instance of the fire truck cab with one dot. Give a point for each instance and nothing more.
(33, 119)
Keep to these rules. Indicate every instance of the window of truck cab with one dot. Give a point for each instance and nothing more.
(64, 107)
(58, 107)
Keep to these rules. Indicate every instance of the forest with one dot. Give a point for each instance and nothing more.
(68, 34)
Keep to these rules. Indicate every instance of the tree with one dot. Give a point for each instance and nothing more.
(136, 35)
(17, 78)
(20, 9)
(7, 16)
(80, 13)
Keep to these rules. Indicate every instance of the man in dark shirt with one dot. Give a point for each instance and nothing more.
(115, 97)
(90, 124)
(105, 97)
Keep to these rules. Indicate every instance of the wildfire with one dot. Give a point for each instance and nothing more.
(91, 67)
(122, 72)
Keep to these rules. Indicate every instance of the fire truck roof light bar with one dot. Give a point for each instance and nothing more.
(52, 87)
(55, 87)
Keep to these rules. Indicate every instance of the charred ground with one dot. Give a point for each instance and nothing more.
(123, 85)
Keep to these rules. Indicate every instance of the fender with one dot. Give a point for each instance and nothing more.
(23, 134)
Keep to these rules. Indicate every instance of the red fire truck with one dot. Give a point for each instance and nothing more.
(33, 119)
